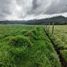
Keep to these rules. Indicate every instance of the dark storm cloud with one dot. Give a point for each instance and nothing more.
(53, 7)
(22, 8)
(35, 5)
(61, 7)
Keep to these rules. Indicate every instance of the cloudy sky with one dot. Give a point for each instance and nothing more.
(29, 9)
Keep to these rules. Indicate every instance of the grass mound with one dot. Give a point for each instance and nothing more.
(16, 51)
(19, 41)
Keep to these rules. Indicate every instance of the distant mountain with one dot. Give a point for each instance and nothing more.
(56, 20)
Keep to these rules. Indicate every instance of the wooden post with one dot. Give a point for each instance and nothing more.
(53, 28)
(46, 27)
(49, 27)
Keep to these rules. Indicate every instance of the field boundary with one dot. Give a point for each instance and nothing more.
(62, 60)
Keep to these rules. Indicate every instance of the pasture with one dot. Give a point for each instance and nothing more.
(29, 46)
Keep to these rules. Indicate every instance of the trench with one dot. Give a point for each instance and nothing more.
(62, 60)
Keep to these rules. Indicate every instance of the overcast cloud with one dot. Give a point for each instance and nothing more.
(19, 9)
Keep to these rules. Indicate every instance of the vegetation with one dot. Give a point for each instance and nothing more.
(26, 46)
(59, 38)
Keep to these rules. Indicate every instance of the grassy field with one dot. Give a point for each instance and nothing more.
(61, 34)
(60, 38)
(26, 46)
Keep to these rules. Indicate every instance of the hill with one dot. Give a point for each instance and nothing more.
(56, 20)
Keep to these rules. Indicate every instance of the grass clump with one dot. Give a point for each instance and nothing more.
(19, 41)
(15, 51)
(64, 54)
(36, 34)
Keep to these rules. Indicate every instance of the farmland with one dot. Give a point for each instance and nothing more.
(29, 46)
(26, 46)
(59, 37)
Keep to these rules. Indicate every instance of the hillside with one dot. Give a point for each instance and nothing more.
(56, 20)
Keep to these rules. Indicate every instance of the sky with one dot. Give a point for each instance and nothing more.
(31, 9)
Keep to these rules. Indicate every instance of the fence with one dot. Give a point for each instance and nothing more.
(50, 28)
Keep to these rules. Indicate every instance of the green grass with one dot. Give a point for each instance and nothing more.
(26, 46)
(60, 38)
(64, 54)
(60, 34)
